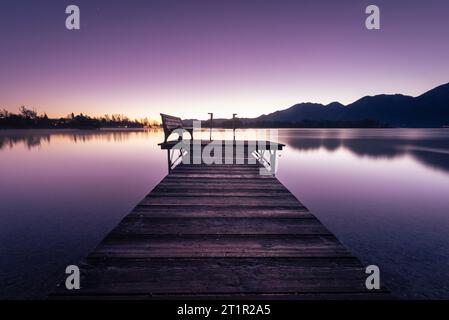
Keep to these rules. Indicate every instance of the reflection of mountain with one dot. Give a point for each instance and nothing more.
(429, 146)
(430, 149)
(428, 110)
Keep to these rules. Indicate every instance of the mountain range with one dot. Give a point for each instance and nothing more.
(430, 109)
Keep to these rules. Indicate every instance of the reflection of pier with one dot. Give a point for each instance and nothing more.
(228, 230)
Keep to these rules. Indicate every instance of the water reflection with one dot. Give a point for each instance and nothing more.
(428, 146)
(62, 191)
(37, 138)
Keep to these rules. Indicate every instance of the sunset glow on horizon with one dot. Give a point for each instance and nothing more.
(188, 58)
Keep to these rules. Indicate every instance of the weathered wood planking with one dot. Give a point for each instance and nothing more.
(221, 231)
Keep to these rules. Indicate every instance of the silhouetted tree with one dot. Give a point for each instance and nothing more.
(28, 113)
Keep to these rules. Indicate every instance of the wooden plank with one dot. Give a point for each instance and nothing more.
(216, 193)
(210, 261)
(187, 192)
(220, 176)
(218, 167)
(220, 173)
(173, 246)
(154, 199)
(227, 184)
(224, 226)
(194, 187)
(202, 211)
(199, 183)
(221, 231)
(254, 180)
(224, 276)
(262, 296)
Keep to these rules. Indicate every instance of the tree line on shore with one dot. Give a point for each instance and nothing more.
(28, 118)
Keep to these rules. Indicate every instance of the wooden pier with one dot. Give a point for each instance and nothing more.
(220, 231)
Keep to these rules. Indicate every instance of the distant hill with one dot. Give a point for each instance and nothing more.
(430, 109)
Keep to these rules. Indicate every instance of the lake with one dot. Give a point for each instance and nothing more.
(383, 192)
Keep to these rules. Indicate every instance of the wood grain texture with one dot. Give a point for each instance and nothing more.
(220, 232)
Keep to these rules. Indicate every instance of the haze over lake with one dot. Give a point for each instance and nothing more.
(383, 192)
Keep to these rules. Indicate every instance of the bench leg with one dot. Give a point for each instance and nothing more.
(168, 161)
(190, 131)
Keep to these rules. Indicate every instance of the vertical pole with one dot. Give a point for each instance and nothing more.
(233, 123)
(273, 161)
(168, 160)
(211, 124)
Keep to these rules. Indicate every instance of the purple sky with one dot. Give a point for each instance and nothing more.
(190, 57)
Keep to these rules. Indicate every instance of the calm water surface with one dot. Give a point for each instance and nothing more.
(384, 193)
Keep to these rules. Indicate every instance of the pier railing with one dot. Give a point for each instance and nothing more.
(223, 152)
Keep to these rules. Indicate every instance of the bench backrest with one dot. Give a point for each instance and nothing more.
(170, 123)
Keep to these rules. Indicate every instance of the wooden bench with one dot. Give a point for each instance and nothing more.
(171, 123)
